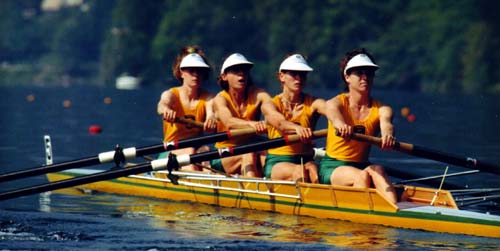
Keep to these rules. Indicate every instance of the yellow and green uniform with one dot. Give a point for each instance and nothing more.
(294, 153)
(176, 131)
(252, 112)
(348, 152)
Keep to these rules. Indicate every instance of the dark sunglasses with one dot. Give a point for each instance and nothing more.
(302, 74)
(238, 69)
(199, 70)
(363, 71)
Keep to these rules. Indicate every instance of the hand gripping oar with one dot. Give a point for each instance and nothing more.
(170, 163)
(433, 154)
(190, 122)
(127, 153)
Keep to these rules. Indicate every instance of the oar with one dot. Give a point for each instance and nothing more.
(437, 177)
(462, 192)
(172, 162)
(120, 154)
(190, 122)
(427, 153)
(476, 200)
(404, 174)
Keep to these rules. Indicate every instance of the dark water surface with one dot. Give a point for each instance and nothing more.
(465, 125)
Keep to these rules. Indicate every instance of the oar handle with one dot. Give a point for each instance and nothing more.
(427, 153)
(190, 122)
(240, 132)
(400, 146)
(231, 133)
(292, 138)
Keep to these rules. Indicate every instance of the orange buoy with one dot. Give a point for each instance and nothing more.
(95, 129)
(405, 111)
(107, 100)
(66, 103)
(30, 98)
(411, 118)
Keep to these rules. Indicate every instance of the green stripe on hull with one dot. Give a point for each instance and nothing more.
(399, 214)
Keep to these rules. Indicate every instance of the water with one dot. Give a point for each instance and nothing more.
(465, 125)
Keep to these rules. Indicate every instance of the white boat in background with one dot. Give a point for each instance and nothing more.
(127, 82)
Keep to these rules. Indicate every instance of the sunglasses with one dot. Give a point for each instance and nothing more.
(238, 69)
(363, 71)
(199, 70)
(302, 74)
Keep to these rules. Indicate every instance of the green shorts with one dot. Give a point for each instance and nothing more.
(162, 155)
(217, 165)
(328, 165)
(272, 159)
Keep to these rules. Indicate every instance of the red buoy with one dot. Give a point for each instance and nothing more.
(95, 129)
(411, 118)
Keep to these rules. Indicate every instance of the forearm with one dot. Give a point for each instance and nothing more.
(386, 128)
(288, 127)
(164, 105)
(333, 114)
(161, 109)
(210, 112)
(237, 123)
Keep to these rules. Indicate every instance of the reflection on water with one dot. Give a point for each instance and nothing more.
(199, 221)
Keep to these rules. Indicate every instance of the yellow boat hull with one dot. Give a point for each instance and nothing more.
(321, 201)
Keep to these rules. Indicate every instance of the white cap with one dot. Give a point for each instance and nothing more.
(234, 59)
(295, 62)
(359, 61)
(193, 60)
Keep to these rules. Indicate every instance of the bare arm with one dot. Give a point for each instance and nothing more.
(278, 120)
(319, 106)
(224, 114)
(386, 127)
(262, 96)
(165, 106)
(334, 115)
(210, 123)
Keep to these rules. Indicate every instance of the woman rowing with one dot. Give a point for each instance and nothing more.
(238, 106)
(189, 101)
(292, 112)
(346, 162)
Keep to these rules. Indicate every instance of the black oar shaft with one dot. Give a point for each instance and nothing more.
(427, 153)
(455, 159)
(76, 181)
(95, 160)
(160, 164)
(89, 161)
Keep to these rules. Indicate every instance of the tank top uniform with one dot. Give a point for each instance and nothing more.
(176, 131)
(293, 153)
(252, 112)
(352, 152)
(306, 119)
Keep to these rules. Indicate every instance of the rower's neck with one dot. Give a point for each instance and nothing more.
(291, 97)
(238, 96)
(359, 99)
(189, 92)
